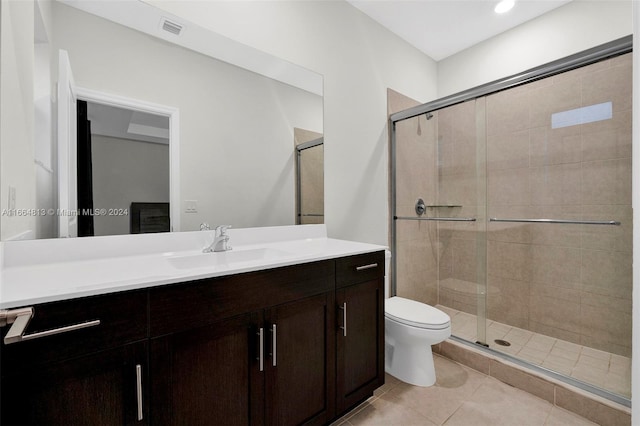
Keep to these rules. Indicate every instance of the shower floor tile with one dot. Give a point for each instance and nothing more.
(608, 371)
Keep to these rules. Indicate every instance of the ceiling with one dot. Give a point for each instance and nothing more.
(441, 28)
(121, 123)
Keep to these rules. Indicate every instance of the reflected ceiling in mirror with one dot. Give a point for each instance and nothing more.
(234, 157)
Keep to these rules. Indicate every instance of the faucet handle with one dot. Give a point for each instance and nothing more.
(222, 229)
(204, 226)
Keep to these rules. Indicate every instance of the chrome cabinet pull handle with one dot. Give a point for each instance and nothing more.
(20, 319)
(344, 319)
(365, 267)
(59, 330)
(274, 344)
(139, 390)
(261, 348)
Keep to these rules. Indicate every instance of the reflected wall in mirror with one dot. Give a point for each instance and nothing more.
(309, 177)
(234, 159)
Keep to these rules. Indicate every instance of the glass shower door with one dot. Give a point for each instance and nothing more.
(440, 214)
(559, 236)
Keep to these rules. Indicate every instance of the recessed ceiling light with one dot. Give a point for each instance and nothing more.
(504, 6)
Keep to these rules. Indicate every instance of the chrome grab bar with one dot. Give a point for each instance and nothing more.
(561, 221)
(20, 319)
(438, 219)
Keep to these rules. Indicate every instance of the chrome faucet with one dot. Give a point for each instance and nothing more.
(220, 240)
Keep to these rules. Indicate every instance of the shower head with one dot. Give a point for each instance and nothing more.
(429, 116)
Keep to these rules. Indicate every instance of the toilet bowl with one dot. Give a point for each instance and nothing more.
(411, 328)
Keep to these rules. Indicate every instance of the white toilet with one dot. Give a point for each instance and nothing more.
(411, 328)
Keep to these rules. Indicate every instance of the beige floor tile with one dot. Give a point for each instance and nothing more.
(455, 383)
(541, 343)
(511, 350)
(595, 353)
(503, 328)
(551, 353)
(595, 363)
(567, 346)
(518, 336)
(588, 374)
(560, 417)
(532, 355)
(558, 368)
(387, 411)
(557, 352)
(618, 384)
(390, 382)
(495, 403)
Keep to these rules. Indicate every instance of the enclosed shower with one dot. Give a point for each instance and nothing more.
(511, 211)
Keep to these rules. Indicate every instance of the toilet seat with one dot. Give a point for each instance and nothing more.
(415, 314)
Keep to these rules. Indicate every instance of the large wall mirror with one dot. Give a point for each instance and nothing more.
(147, 123)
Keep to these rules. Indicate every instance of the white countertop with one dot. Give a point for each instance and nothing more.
(49, 270)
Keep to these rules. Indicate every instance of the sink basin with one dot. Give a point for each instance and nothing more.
(227, 258)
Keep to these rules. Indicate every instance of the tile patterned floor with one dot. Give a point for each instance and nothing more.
(461, 396)
(608, 371)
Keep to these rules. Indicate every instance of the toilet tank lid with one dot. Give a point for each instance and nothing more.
(414, 311)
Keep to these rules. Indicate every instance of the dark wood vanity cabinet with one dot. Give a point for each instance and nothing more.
(360, 337)
(258, 348)
(89, 376)
(264, 356)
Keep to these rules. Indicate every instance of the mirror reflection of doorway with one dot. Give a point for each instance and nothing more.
(309, 177)
(123, 159)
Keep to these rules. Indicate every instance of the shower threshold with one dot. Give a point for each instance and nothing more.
(597, 368)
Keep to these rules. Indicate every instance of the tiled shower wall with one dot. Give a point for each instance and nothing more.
(416, 176)
(571, 282)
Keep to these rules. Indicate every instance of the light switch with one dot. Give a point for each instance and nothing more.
(191, 206)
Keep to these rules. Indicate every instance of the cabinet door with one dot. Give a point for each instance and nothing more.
(300, 364)
(107, 388)
(208, 375)
(360, 342)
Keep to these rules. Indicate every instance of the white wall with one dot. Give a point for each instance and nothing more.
(574, 27)
(359, 60)
(635, 368)
(236, 127)
(126, 171)
(17, 115)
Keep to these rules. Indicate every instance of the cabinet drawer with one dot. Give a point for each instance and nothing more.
(122, 316)
(359, 268)
(188, 305)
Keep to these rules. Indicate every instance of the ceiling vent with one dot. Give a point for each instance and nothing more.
(171, 27)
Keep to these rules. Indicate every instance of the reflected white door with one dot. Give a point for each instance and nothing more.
(67, 148)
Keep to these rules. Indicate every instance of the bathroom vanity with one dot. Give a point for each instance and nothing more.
(284, 335)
